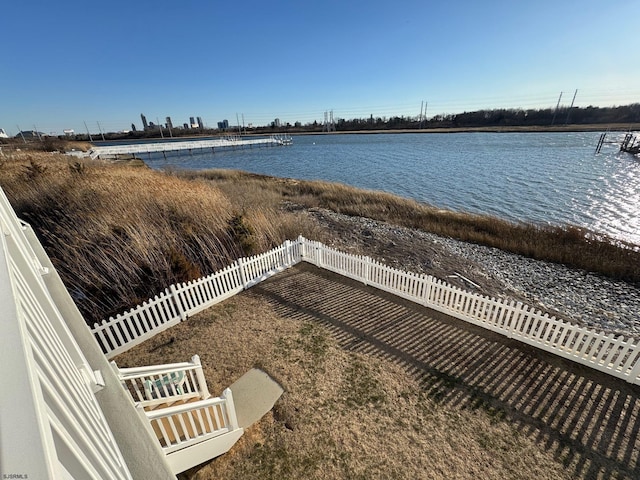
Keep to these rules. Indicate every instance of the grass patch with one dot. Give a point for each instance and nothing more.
(347, 416)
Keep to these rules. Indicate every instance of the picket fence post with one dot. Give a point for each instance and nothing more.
(367, 270)
(514, 318)
(287, 248)
(243, 275)
(176, 300)
(635, 370)
(319, 252)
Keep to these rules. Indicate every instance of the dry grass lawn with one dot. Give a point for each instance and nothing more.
(365, 399)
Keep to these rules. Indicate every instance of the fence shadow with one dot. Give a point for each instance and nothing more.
(590, 420)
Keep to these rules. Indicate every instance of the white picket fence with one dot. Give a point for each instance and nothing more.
(608, 353)
(178, 302)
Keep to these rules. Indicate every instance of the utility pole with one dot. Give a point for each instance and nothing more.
(426, 104)
(557, 106)
(160, 128)
(571, 107)
(420, 117)
(21, 134)
(100, 130)
(85, 126)
(35, 129)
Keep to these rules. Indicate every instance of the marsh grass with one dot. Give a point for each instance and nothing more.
(119, 234)
(569, 245)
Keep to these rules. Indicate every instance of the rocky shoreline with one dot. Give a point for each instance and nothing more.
(575, 295)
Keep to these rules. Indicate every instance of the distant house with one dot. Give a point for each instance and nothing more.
(30, 134)
(3, 134)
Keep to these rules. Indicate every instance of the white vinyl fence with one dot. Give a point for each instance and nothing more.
(607, 353)
(180, 301)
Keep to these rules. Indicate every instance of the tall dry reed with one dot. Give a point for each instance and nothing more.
(118, 235)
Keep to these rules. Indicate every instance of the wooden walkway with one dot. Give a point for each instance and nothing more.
(171, 146)
(588, 419)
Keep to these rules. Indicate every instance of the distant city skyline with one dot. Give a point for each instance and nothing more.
(103, 65)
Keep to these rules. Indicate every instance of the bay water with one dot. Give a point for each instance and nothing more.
(546, 178)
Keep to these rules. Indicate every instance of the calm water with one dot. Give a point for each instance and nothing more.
(537, 177)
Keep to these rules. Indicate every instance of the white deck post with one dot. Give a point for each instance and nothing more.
(231, 409)
(202, 382)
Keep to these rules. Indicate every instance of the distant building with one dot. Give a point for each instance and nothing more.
(69, 132)
(3, 134)
(276, 123)
(30, 134)
(223, 125)
(192, 122)
(133, 127)
(200, 123)
(145, 125)
(185, 126)
(169, 123)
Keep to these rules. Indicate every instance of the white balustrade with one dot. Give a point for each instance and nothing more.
(51, 425)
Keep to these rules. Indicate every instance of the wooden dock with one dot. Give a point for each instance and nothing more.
(630, 143)
(114, 151)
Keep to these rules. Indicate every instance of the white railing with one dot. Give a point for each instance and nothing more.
(164, 146)
(132, 327)
(180, 301)
(190, 426)
(181, 426)
(51, 425)
(197, 295)
(607, 353)
(155, 385)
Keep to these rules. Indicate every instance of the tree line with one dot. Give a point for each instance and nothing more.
(487, 118)
(503, 117)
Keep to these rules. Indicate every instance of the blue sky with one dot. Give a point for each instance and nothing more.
(66, 63)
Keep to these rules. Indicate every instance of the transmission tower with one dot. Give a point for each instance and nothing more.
(553, 120)
(329, 125)
(571, 107)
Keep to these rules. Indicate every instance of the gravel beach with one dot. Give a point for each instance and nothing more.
(575, 295)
